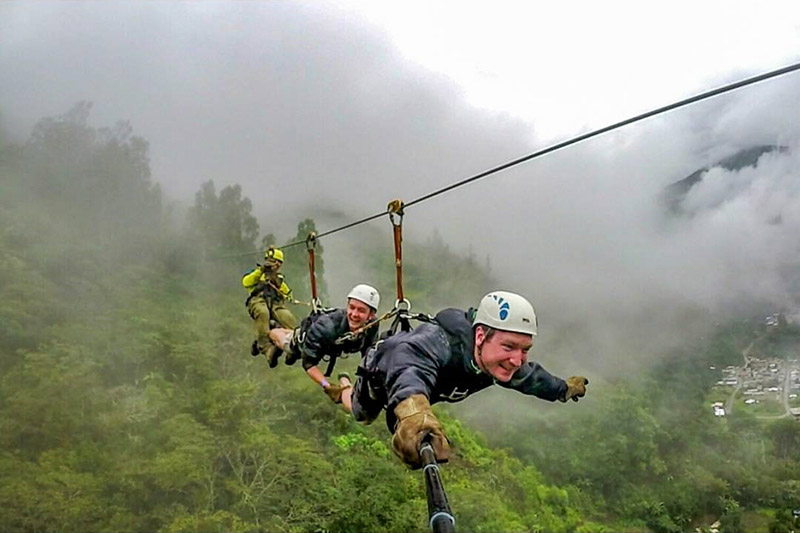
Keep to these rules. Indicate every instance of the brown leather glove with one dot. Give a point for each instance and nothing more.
(576, 388)
(415, 420)
(334, 392)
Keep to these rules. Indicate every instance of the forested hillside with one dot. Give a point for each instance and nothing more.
(129, 402)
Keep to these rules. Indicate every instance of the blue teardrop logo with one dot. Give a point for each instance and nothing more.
(503, 311)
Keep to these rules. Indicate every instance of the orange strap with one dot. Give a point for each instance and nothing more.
(395, 209)
(311, 243)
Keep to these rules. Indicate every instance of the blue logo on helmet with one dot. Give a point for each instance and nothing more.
(503, 304)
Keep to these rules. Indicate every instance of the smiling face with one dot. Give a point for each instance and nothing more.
(358, 313)
(501, 353)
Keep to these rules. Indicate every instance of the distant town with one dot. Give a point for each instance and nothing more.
(766, 385)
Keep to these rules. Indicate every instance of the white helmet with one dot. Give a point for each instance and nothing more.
(508, 312)
(367, 294)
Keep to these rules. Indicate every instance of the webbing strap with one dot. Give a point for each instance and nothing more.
(331, 364)
(403, 319)
(311, 243)
(395, 209)
(360, 331)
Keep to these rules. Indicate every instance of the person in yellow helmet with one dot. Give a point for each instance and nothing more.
(268, 295)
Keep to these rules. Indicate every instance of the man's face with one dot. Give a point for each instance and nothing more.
(502, 354)
(273, 264)
(358, 313)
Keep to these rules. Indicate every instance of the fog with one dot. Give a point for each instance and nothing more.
(317, 113)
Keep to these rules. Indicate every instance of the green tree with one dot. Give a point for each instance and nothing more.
(784, 522)
(98, 178)
(296, 265)
(785, 435)
(223, 223)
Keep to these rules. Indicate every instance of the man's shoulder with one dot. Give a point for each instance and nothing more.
(330, 319)
(252, 277)
(427, 338)
(251, 271)
(453, 320)
(334, 313)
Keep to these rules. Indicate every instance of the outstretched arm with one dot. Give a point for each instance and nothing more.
(534, 380)
(333, 390)
(319, 335)
(411, 372)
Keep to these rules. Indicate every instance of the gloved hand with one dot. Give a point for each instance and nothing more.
(576, 388)
(415, 420)
(334, 392)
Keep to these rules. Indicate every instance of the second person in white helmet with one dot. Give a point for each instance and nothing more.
(332, 333)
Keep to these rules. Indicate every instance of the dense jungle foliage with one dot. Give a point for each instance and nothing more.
(129, 401)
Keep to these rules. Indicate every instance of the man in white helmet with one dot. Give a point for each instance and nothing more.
(331, 333)
(457, 355)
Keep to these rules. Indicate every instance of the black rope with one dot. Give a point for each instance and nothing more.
(559, 146)
(606, 129)
(323, 234)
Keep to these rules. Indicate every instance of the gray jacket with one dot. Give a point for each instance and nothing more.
(436, 359)
(319, 333)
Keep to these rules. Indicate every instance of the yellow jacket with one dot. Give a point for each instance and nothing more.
(256, 280)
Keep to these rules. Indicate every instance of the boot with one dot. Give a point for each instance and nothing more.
(291, 358)
(272, 353)
(254, 351)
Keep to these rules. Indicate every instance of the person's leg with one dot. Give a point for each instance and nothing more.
(347, 392)
(368, 395)
(286, 341)
(292, 345)
(363, 406)
(284, 317)
(260, 312)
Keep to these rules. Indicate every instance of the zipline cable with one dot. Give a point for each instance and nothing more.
(558, 146)
(606, 129)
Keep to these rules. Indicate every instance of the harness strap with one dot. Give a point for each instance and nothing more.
(404, 318)
(395, 209)
(350, 335)
(311, 244)
(262, 290)
(331, 364)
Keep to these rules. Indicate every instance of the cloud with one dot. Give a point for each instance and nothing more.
(599, 249)
(316, 112)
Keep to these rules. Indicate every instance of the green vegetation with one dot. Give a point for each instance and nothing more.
(129, 402)
(782, 342)
(653, 453)
(769, 404)
(719, 394)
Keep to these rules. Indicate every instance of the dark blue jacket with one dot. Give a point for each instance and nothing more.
(319, 333)
(436, 359)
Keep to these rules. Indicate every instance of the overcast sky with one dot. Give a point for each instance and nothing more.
(347, 105)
